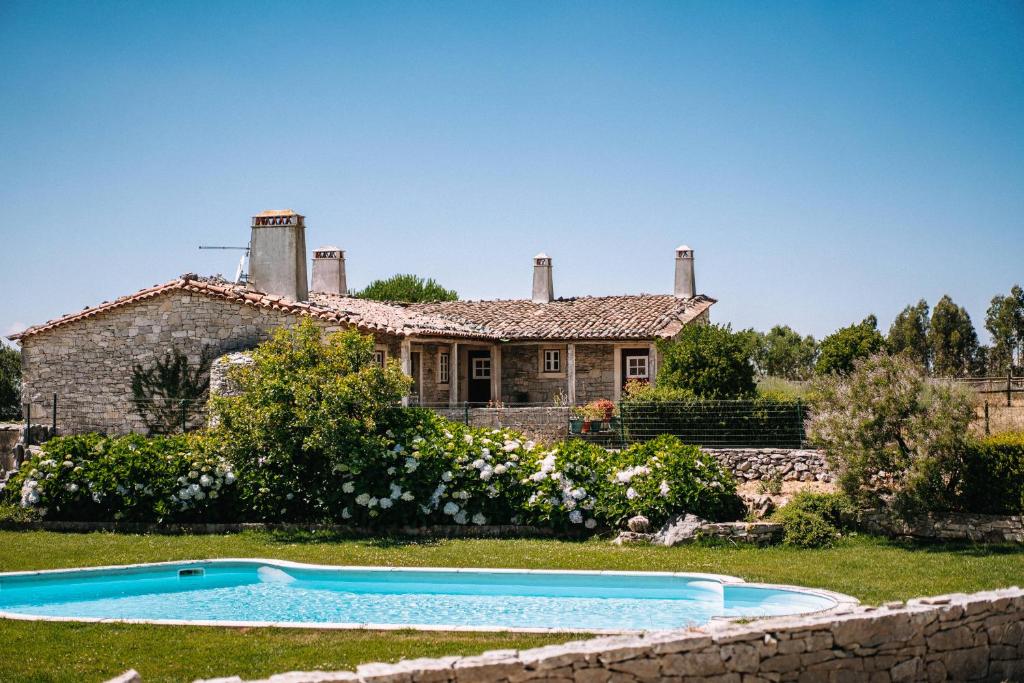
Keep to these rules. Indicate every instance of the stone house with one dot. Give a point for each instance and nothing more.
(520, 351)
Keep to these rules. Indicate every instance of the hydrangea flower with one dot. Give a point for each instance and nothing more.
(348, 487)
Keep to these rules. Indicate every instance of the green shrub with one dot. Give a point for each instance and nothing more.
(887, 430)
(993, 480)
(806, 529)
(128, 478)
(834, 508)
(711, 361)
(312, 414)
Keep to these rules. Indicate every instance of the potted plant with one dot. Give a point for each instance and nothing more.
(594, 413)
(576, 421)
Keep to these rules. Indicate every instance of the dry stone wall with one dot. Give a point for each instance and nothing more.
(950, 526)
(752, 464)
(542, 424)
(977, 637)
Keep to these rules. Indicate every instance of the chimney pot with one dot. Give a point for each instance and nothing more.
(543, 288)
(686, 284)
(277, 255)
(329, 271)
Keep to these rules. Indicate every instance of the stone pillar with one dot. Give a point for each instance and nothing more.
(652, 364)
(495, 372)
(406, 351)
(570, 374)
(453, 376)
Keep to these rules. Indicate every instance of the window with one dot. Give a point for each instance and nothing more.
(443, 367)
(552, 360)
(481, 368)
(636, 367)
(379, 356)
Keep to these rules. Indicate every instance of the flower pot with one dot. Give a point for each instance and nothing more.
(586, 426)
(597, 425)
(575, 425)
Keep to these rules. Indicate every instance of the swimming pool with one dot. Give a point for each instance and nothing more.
(249, 592)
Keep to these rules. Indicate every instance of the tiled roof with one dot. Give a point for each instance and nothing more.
(369, 316)
(640, 316)
(643, 316)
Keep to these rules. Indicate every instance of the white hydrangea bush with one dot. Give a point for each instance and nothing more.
(565, 484)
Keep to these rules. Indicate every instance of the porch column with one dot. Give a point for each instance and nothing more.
(453, 375)
(652, 364)
(406, 363)
(495, 373)
(570, 374)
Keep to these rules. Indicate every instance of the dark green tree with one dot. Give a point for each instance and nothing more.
(169, 394)
(782, 352)
(908, 334)
(711, 361)
(407, 289)
(953, 341)
(840, 349)
(10, 383)
(1004, 320)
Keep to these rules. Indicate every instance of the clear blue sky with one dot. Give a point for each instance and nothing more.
(825, 160)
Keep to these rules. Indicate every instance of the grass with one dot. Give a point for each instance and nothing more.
(873, 570)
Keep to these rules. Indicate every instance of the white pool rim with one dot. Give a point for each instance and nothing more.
(843, 603)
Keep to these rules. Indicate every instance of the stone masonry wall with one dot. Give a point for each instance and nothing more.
(89, 363)
(949, 526)
(542, 424)
(521, 377)
(752, 464)
(595, 372)
(977, 637)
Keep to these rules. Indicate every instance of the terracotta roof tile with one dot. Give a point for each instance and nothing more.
(639, 316)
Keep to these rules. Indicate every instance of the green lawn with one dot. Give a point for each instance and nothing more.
(870, 569)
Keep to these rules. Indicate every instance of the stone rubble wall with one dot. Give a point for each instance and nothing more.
(542, 424)
(793, 464)
(950, 526)
(978, 637)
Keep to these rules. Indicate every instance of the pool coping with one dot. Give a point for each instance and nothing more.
(843, 603)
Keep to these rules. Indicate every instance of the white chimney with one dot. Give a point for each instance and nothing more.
(329, 271)
(277, 255)
(686, 284)
(543, 289)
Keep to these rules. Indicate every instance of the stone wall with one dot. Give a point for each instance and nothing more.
(977, 637)
(950, 526)
(89, 363)
(752, 464)
(521, 378)
(595, 372)
(545, 424)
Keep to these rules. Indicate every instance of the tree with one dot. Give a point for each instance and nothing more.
(782, 352)
(711, 361)
(10, 383)
(953, 341)
(908, 334)
(886, 429)
(1004, 320)
(311, 411)
(407, 289)
(843, 347)
(169, 394)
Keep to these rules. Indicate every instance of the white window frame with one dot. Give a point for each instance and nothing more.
(380, 355)
(631, 369)
(481, 367)
(551, 360)
(444, 367)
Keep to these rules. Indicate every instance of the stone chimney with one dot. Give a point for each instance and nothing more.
(277, 255)
(543, 289)
(686, 284)
(329, 271)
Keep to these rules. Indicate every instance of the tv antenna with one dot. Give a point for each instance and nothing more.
(241, 273)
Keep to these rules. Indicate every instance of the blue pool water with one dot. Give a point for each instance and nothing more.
(257, 591)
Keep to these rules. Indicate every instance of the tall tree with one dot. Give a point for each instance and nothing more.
(841, 349)
(407, 289)
(712, 361)
(908, 334)
(1004, 320)
(953, 341)
(782, 352)
(10, 383)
